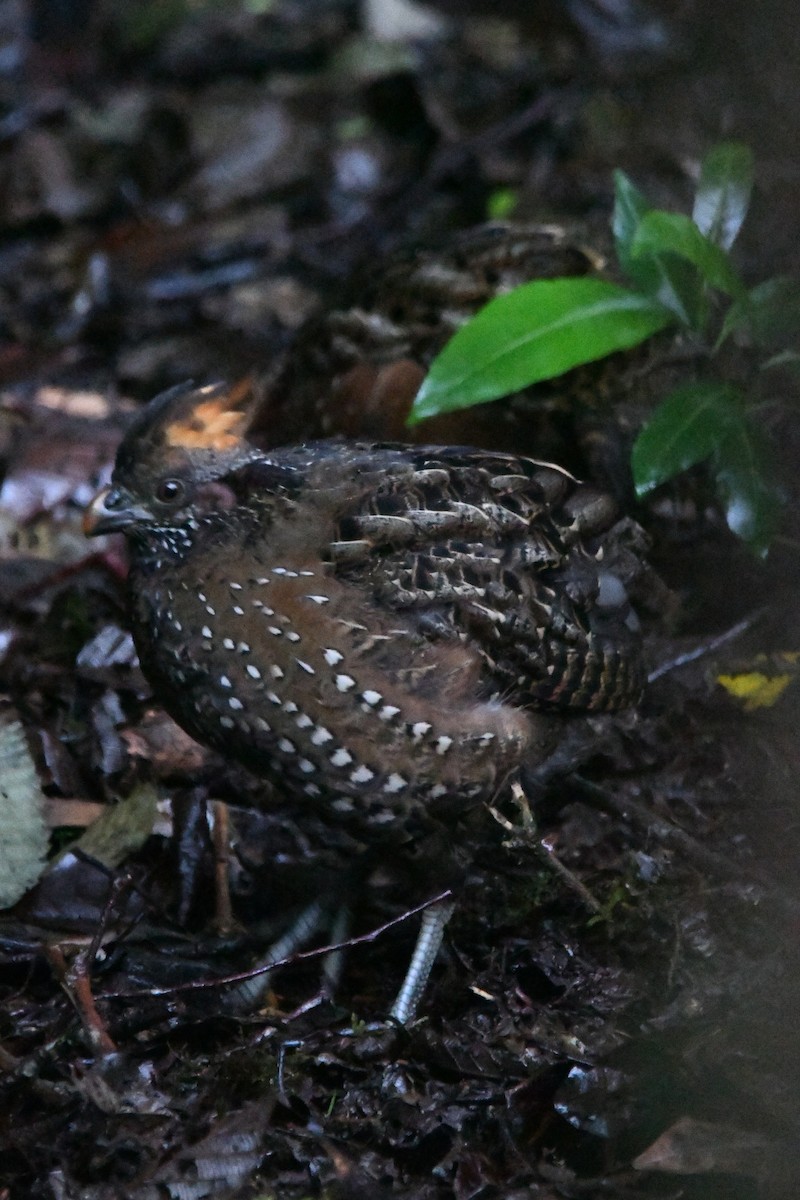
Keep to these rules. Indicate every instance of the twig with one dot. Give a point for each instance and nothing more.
(298, 956)
(75, 982)
(527, 835)
(75, 979)
(709, 647)
(221, 838)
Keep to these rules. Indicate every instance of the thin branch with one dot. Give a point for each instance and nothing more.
(298, 956)
(709, 647)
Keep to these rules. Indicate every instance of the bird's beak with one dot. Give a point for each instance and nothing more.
(108, 513)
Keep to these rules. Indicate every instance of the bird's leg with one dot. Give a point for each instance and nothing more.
(431, 932)
(250, 992)
(333, 961)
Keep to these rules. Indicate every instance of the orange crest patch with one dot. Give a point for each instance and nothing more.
(214, 424)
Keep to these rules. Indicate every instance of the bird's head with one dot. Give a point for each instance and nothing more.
(173, 459)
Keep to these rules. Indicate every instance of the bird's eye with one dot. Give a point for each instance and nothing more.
(170, 491)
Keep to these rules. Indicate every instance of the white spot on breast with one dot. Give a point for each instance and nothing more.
(286, 746)
(275, 671)
(395, 783)
(228, 643)
(371, 697)
(212, 612)
(274, 698)
(437, 791)
(361, 774)
(341, 757)
(443, 744)
(304, 721)
(292, 636)
(319, 599)
(332, 657)
(177, 626)
(388, 711)
(237, 587)
(238, 610)
(227, 722)
(419, 730)
(311, 789)
(253, 672)
(307, 574)
(235, 702)
(263, 725)
(206, 632)
(305, 666)
(384, 816)
(201, 597)
(261, 581)
(305, 764)
(290, 707)
(224, 681)
(275, 631)
(320, 736)
(344, 683)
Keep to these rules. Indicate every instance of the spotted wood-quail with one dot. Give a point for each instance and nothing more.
(389, 632)
(355, 369)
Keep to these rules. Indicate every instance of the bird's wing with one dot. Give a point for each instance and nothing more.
(514, 556)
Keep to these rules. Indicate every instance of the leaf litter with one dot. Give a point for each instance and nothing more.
(565, 1050)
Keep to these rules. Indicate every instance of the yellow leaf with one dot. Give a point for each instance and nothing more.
(755, 689)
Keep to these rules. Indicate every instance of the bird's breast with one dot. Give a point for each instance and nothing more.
(307, 679)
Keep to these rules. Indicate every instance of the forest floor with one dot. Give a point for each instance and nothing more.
(615, 1013)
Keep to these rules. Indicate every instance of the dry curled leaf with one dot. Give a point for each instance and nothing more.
(691, 1147)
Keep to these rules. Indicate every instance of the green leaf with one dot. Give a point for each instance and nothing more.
(630, 205)
(535, 332)
(751, 502)
(661, 233)
(770, 311)
(784, 359)
(723, 192)
(686, 428)
(501, 204)
(658, 273)
(674, 283)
